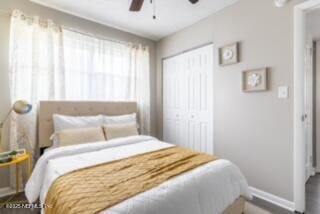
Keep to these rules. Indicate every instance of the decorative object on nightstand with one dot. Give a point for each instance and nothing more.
(17, 160)
(10, 155)
(255, 80)
(229, 54)
(19, 107)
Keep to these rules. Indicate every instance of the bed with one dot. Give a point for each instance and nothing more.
(215, 187)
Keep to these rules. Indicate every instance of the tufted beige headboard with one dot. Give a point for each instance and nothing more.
(75, 108)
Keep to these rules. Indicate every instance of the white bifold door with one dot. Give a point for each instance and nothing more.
(188, 99)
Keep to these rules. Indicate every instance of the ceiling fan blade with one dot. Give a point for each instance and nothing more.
(136, 5)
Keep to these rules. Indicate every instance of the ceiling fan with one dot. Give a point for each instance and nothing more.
(136, 5)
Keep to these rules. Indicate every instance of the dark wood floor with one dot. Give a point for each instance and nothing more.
(17, 199)
(312, 199)
(270, 207)
(313, 195)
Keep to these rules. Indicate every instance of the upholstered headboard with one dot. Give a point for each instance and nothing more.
(75, 108)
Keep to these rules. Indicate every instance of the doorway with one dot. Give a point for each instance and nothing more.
(303, 105)
(313, 145)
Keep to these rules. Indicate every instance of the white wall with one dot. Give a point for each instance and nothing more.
(6, 7)
(253, 130)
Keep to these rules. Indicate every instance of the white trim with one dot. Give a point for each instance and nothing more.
(299, 151)
(309, 5)
(5, 191)
(276, 200)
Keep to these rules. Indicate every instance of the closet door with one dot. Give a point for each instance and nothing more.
(200, 99)
(188, 99)
(172, 124)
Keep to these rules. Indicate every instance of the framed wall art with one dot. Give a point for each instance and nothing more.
(229, 54)
(255, 80)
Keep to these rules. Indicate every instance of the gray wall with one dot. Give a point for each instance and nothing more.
(4, 84)
(313, 23)
(29, 8)
(253, 130)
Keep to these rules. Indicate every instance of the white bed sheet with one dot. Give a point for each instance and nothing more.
(208, 189)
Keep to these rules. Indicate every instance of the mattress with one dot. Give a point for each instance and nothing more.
(208, 189)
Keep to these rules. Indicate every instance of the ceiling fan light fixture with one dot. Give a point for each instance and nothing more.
(193, 1)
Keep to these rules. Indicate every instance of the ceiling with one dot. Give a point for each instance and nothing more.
(172, 15)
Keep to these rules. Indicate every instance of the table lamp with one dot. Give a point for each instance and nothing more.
(19, 107)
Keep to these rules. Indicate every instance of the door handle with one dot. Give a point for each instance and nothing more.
(304, 117)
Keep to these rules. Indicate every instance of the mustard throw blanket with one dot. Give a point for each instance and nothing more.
(97, 188)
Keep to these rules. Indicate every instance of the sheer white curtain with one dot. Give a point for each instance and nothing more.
(140, 84)
(98, 69)
(48, 63)
(36, 72)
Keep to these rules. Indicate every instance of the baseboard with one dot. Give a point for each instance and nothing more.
(5, 191)
(276, 200)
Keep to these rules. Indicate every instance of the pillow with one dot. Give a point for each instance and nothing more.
(121, 119)
(70, 137)
(62, 122)
(120, 130)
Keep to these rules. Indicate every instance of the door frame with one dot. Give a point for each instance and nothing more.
(299, 150)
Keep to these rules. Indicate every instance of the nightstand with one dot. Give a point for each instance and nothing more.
(25, 158)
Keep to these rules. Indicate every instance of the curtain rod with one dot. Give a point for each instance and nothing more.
(101, 37)
(3, 12)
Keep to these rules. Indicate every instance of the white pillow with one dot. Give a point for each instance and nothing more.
(62, 122)
(122, 119)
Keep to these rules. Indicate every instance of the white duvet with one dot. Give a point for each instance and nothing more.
(208, 189)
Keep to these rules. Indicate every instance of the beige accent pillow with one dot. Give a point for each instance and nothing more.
(70, 137)
(112, 131)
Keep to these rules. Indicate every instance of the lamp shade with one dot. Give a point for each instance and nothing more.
(22, 107)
